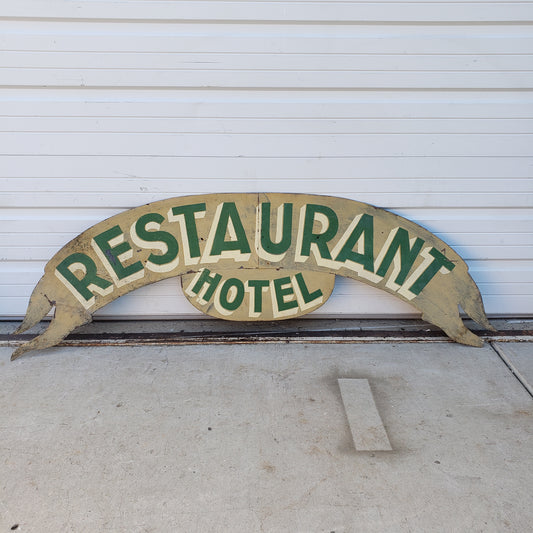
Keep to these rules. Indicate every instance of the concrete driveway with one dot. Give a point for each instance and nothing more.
(258, 437)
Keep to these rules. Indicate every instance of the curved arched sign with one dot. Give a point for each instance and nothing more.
(254, 257)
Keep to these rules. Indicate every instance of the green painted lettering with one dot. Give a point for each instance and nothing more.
(408, 255)
(258, 285)
(283, 241)
(211, 281)
(230, 221)
(330, 225)
(231, 303)
(89, 283)
(113, 250)
(190, 213)
(439, 261)
(307, 297)
(283, 288)
(169, 246)
(364, 256)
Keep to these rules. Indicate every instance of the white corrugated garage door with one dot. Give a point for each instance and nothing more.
(424, 108)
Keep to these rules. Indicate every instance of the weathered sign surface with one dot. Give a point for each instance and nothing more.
(254, 257)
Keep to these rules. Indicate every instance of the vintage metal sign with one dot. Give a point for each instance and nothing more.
(254, 257)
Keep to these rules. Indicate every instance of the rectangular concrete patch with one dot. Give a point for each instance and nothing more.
(365, 423)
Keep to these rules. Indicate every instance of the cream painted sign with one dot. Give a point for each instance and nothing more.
(254, 257)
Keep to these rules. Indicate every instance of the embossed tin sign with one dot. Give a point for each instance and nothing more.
(254, 257)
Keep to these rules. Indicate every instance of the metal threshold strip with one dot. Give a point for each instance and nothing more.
(320, 336)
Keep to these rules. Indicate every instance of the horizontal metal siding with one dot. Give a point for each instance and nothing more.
(425, 108)
(273, 10)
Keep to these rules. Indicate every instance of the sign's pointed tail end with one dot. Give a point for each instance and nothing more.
(472, 304)
(65, 320)
(454, 328)
(465, 336)
(469, 298)
(38, 307)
